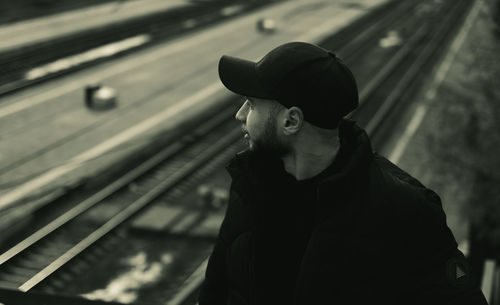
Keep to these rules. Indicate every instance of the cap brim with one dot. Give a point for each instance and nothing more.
(240, 76)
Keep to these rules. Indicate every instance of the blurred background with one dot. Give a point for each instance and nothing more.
(115, 130)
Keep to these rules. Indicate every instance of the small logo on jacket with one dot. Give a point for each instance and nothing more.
(458, 271)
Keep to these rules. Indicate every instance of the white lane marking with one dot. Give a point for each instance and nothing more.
(410, 130)
(16, 194)
(106, 50)
(438, 80)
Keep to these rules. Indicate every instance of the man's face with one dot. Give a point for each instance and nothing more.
(259, 118)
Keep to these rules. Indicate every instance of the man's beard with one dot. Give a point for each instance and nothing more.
(269, 144)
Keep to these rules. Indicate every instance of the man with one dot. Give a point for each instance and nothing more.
(314, 216)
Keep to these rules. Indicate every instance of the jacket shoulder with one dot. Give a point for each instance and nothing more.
(399, 189)
(413, 208)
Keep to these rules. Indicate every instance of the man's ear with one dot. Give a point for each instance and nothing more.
(292, 120)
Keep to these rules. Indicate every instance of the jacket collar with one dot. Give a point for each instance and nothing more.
(356, 154)
(340, 193)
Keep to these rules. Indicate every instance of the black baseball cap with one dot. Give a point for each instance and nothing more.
(296, 74)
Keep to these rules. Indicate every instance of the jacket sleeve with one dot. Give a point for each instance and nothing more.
(442, 274)
(215, 288)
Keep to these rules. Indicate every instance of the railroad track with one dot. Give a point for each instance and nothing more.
(37, 257)
(43, 256)
(377, 20)
(158, 27)
(356, 30)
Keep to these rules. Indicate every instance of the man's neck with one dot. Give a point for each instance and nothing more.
(305, 164)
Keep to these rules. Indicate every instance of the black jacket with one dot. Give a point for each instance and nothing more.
(379, 237)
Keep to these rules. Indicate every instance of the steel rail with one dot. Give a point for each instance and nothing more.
(110, 189)
(388, 68)
(132, 209)
(378, 27)
(392, 64)
(409, 76)
(161, 28)
(351, 48)
(367, 27)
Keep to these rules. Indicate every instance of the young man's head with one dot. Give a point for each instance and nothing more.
(296, 90)
(260, 118)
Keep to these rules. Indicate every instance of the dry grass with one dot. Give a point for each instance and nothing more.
(458, 151)
(470, 102)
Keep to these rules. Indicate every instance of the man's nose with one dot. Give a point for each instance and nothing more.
(241, 115)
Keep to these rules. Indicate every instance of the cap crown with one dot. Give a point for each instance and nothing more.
(296, 74)
(311, 78)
